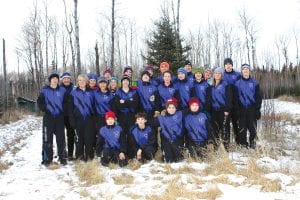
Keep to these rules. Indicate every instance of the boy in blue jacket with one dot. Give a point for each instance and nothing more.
(198, 129)
(142, 138)
(111, 142)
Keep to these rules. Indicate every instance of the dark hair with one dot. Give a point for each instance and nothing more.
(168, 71)
(141, 115)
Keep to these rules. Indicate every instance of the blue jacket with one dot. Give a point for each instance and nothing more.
(248, 93)
(111, 137)
(231, 77)
(171, 126)
(82, 103)
(200, 90)
(131, 101)
(52, 101)
(190, 77)
(148, 96)
(103, 102)
(197, 128)
(143, 137)
(167, 92)
(221, 96)
(184, 88)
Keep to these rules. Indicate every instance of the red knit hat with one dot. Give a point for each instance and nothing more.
(194, 100)
(164, 64)
(110, 114)
(173, 101)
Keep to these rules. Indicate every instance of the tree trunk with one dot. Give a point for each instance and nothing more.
(4, 77)
(112, 52)
(78, 62)
(97, 59)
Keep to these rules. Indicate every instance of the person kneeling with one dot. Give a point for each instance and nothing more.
(198, 128)
(142, 139)
(111, 142)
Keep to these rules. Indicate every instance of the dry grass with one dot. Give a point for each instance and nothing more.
(113, 165)
(133, 196)
(289, 98)
(12, 116)
(134, 164)
(89, 173)
(123, 179)
(181, 170)
(54, 166)
(176, 189)
(3, 166)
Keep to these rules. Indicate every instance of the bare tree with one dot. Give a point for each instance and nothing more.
(112, 52)
(77, 44)
(4, 88)
(97, 59)
(245, 22)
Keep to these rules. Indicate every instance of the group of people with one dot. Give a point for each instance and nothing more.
(118, 120)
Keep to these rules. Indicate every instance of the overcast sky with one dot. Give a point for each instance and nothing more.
(272, 16)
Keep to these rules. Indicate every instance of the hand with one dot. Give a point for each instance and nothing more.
(122, 101)
(139, 154)
(163, 112)
(226, 113)
(122, 156)
(156, 113)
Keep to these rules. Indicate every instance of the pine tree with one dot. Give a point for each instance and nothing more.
(163, 45)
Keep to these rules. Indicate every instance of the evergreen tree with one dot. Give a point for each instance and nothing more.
(163, 44)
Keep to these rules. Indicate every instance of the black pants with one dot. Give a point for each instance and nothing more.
(126, 121)
(247, 121)
(53, 125)
(85, 138)
(172, 150)
(234, 120)
(197, 150)
(70, 136)
(112, 155)
(100, 122)
(221, 127)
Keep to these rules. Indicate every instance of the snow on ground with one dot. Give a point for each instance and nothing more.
(26, 178)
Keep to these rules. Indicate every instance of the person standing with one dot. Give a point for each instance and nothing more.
(81, 111)
(249, 104)
(66, 82)
(188, 67)
(52, 101)
(231, 76)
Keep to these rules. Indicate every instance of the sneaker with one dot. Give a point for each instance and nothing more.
(46, 163)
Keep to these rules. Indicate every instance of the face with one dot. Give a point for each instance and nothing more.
(113, 84)
(141, 121)
(66, 81)
(150, 72)
(145, 78)
(92, 83)
(188, 68)
(167, 77)
(218, 76)
(81, 82)
(171, 109)
(181, 76)
(198, 76)
(207, 74)
(107, 76)
(194, 107)
(102, 86)
(245, 73)
(110, 121)
(163, 68)
(54, 81)
(125, 83)
(228, 67)
(128, 72)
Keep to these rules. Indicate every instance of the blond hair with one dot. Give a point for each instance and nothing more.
(85, 77)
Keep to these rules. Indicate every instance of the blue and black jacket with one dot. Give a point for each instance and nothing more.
(171, 126)
(221, 97)
(184, 88)
(142, 138)
(248, 93)
(231, 77)
(198, 128)
(82, 103)
(68, 88)
(104, 102)
(111, 137)
(190, 77)
(53, 101)
(167, 92)
(148, 96)
(201, 90)
(131, 101)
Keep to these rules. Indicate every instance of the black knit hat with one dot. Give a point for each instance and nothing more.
(125, 77)
(52, 75)
(145, 73)
(228, 61)
(187, 62)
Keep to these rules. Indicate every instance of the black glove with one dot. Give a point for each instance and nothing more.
(257, 114)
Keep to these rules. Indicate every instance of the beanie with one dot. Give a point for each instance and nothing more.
(110, 114)
(92, 76)
(127, 68)
(228, 61)
(113, 79)
(145, 73)
(125, 77)
(219, 70)
(245, 66)
(171, 101)
(52, 75)
(198, 70)
(149, 67)
(182, 70)
(65, 75)
(165, 64)
(194, 100)
(107, 71)
(102, 79)
(187, 62)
